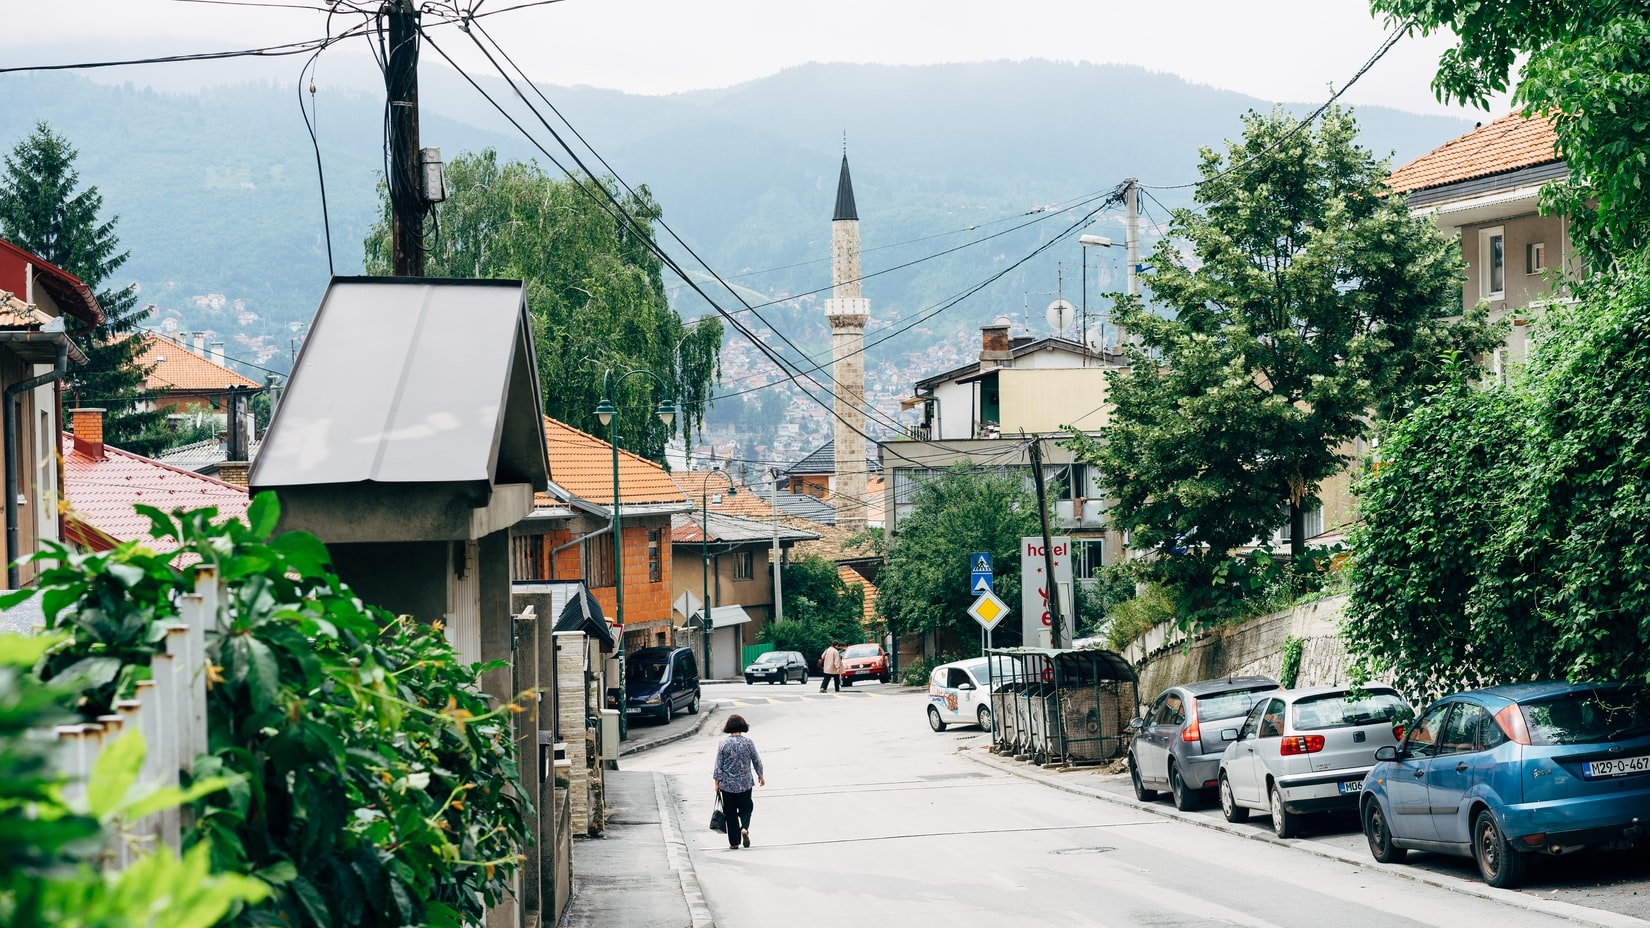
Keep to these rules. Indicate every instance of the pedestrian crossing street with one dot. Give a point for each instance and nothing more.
(758, 698)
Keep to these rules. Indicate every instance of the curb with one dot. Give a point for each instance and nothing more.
(676, 851)
(1576, 914)
(706, 710)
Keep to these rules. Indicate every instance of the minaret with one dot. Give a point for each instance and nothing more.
(848, 313)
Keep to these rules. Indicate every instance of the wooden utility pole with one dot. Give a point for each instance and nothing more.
(1048, 545)
(407, 203)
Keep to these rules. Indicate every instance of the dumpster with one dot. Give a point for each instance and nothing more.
(1064, 706)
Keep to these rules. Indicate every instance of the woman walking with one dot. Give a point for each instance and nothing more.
(736, 758)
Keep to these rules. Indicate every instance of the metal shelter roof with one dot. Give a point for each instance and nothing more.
(411, 381)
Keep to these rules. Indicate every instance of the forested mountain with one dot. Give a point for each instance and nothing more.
(216, 191)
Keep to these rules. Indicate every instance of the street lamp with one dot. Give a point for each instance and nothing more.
(704, 562)
(606, 412)
(1090, 241)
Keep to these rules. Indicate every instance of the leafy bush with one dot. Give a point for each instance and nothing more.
(374, 785)
(1136, 616)
(819, 609)
(917, 674)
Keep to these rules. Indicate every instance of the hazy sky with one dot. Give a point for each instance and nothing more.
(1290, 50)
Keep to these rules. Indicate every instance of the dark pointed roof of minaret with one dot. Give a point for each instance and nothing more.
(845, 195)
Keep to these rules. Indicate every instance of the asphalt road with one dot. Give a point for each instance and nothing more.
(870, 817)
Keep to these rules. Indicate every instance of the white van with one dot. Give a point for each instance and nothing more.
(959, 693)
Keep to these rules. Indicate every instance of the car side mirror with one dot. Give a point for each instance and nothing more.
(1387, 752)
(1228, 734)
(1137, 723)
(966, 686)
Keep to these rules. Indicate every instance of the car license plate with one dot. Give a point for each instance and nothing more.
(1616, 766)
(1352, 786)
(633, 711)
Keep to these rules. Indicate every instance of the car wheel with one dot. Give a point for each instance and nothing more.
(934, 720)
(883, 678)
(1186, 799)
(804, 678)
(1228, 803)
(693, 705)
(1285, 824)
(783, 679)
(1499, 865)
(665, 712)
(750, 680)
(1140, 791)
(983, 716)
(1379, 836)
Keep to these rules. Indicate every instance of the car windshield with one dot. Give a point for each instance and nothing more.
(646, 671)
(1589, 715)
(1337, 710)
(863, 650)
(772, 657)
(1230, 705)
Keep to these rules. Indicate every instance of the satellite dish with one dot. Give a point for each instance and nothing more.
(1060, 314)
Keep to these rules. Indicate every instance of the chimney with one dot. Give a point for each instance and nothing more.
(234, 472)
(200, 343)
(88, 432)
(217, 353)
(994, 347)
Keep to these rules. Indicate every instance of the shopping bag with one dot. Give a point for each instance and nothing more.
(718, 821)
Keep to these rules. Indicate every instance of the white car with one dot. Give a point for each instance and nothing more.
(959, 693)
(1307, 750)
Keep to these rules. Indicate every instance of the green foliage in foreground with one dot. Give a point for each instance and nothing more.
(1502, 538)
(373, 785)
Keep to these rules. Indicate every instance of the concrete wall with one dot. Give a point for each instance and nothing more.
(1164, 658)
(1043, 400)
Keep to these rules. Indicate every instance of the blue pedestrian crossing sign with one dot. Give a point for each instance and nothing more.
(980, 562)
(979, 573)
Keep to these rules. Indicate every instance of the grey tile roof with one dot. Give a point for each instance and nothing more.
(823, 461)
(685, 528)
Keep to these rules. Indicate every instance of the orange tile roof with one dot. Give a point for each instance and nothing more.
(850, 577)
(101, 492)
(1514, 141)
(582, 464)
(179, 370)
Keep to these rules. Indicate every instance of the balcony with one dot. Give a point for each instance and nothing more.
(1080, 513)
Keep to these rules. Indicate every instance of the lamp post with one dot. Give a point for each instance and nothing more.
(607, 413)
(704, 562)
(1091, 241)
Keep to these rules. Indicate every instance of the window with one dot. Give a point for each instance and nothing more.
(1492, 264)
(1465, 732)
(527, 557)
(1535, 257)
(655, 569)
(744, 565)
(598, 560)
(1426, 735)
(1087, 556)
(1271, 719)
(1169, 711)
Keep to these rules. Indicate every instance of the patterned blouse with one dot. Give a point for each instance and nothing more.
(734, 759)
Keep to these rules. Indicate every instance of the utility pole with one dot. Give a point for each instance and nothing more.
(778, 589)
(1131, 218)
(407, 202)
(1048, 544)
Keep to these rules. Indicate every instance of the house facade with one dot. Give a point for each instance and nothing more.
(39, 304)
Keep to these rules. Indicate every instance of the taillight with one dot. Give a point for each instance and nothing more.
(1302, 744)
(1511, 720)
(1398, 732)
(1192, 732)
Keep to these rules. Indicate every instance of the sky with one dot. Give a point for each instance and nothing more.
(1281, 50)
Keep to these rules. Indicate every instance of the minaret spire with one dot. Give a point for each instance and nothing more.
(847, 313)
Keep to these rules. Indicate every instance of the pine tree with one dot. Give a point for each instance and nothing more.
(40, 211)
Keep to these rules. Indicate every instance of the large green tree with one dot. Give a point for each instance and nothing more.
(1585, 64)
(594, 288)
(923, 585)
(1503, 535)
(819, 609)
(42, 211)
(1300, 303)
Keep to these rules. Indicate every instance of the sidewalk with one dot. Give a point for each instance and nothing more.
(637, 875)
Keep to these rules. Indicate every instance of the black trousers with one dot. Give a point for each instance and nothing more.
(737, 808)
(828, 679)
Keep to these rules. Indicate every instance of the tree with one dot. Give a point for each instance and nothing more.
(595, 291)
(819, 608)
(1583, 65)
(1306, 303)
(41, 212)
(1502, 536)
(923, 586)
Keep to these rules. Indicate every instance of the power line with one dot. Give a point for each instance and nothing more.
(273, 51)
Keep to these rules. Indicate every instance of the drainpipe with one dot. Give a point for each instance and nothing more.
(579, 540)
(10, 428)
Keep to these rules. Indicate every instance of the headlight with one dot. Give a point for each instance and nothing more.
(652, 700)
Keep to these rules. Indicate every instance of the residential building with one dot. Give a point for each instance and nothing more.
(38, 301)
(187, 381)
(738, 580)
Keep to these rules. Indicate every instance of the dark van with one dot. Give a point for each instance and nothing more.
(658, 681)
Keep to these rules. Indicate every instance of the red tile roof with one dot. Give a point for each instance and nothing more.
(582, 464)
(102, 492)
(70, 292)
(1514, 141)
(179, 370)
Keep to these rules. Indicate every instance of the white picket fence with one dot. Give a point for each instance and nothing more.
(170, 712)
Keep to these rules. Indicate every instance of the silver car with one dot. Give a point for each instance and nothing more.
(1306, 751)
(1177, 742)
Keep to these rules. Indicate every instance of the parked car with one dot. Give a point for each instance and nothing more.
(864, 662)
(959, 693)
(778, 667)
(1177, 742)
(658, 681)
(1307, 750)
(1504, 773)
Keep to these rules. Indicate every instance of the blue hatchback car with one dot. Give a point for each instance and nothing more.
(1503, 773)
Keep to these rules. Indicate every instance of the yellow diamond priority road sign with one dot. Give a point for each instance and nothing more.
(988, 610)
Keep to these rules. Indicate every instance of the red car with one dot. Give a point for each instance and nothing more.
(864, 662)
